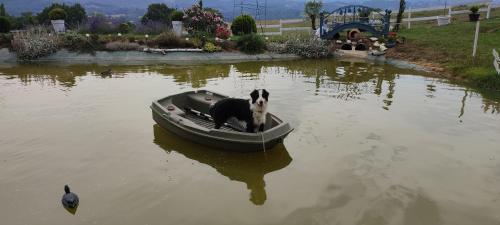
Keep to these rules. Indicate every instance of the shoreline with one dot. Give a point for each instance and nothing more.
(433, 67)
(140, 58)
(8, 58)
(185, 58)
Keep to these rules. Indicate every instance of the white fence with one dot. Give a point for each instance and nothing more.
(281, 28)
(409, 19)
(496, 61)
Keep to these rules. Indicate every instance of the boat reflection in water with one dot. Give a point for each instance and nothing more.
(249, 168)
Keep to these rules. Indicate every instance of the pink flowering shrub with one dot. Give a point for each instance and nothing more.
(197, 20)
(222, 32)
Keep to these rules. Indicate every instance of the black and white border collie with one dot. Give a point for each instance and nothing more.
(253, 112)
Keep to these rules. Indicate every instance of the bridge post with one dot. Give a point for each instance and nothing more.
(387, 22)
(321, 23)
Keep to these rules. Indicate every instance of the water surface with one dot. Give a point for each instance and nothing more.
(373, 144)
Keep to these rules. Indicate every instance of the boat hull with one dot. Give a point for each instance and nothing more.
(219, 138)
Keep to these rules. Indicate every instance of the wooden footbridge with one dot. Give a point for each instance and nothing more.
(366, 19)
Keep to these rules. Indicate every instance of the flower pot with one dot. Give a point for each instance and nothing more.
(473, 17)
(390, 44)
(59, 26)
(177, 28)
(443, 20)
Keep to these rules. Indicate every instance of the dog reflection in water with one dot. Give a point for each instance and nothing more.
(249, 168)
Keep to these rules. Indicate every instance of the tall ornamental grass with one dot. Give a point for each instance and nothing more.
(34, 43)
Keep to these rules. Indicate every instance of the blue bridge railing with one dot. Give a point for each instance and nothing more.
(364, 18)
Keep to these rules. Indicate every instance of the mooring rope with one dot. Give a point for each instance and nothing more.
(263, 143)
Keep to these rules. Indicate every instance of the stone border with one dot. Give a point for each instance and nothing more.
(182, 58)
(137, 57)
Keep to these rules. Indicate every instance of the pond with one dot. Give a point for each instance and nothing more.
(373, 144)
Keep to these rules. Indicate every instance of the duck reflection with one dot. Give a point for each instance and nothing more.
(249, 168)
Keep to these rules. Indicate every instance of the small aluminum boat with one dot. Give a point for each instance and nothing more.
(186, 115)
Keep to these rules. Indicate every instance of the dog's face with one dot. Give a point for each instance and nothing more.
(260, 98)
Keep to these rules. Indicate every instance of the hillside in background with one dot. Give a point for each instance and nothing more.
(276, 9)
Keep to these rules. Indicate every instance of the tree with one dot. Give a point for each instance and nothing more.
(43, 16)
(215, 12)
(5, 24)
(26, 19)
(312, 9)
(2, 11)
(75, 14)
(125, 28)
(200, 3)
(158, 12)
(402, 6)
(98, 23)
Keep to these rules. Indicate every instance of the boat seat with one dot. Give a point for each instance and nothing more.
(199, 101)
(178, 111)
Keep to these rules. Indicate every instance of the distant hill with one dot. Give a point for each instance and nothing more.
(276, 9)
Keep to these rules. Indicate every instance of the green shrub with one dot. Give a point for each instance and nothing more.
(5, 24)
(227, 45)
(125, 28)
(5, 39)
(277, 47)
(251, 43)
(57, 14)
(307, 48)
(94, 38)
(197, 42)
(481, 76)
(104, 39)
(243, 24)
(198, 20)
(169, 40)
(474, 9)
(34, 43)
(77, 42)
(210, 47)
(123, 46)
(177, 16)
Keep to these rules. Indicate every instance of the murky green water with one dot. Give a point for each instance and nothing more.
(372, 145)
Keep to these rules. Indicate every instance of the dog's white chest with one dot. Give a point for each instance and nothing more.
(259, 118)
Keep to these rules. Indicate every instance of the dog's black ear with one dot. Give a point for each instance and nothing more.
(254, 95)
(265, 94)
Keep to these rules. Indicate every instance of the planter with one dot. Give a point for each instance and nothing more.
(390, 44)
(473, 17)
(177, 28)
(443, 20)
(59, 26)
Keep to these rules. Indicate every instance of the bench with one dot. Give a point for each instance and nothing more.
(496, 61)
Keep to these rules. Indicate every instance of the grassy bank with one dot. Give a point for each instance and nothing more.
(450, 47)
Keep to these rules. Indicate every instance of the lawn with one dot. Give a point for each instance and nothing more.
(451, 46)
